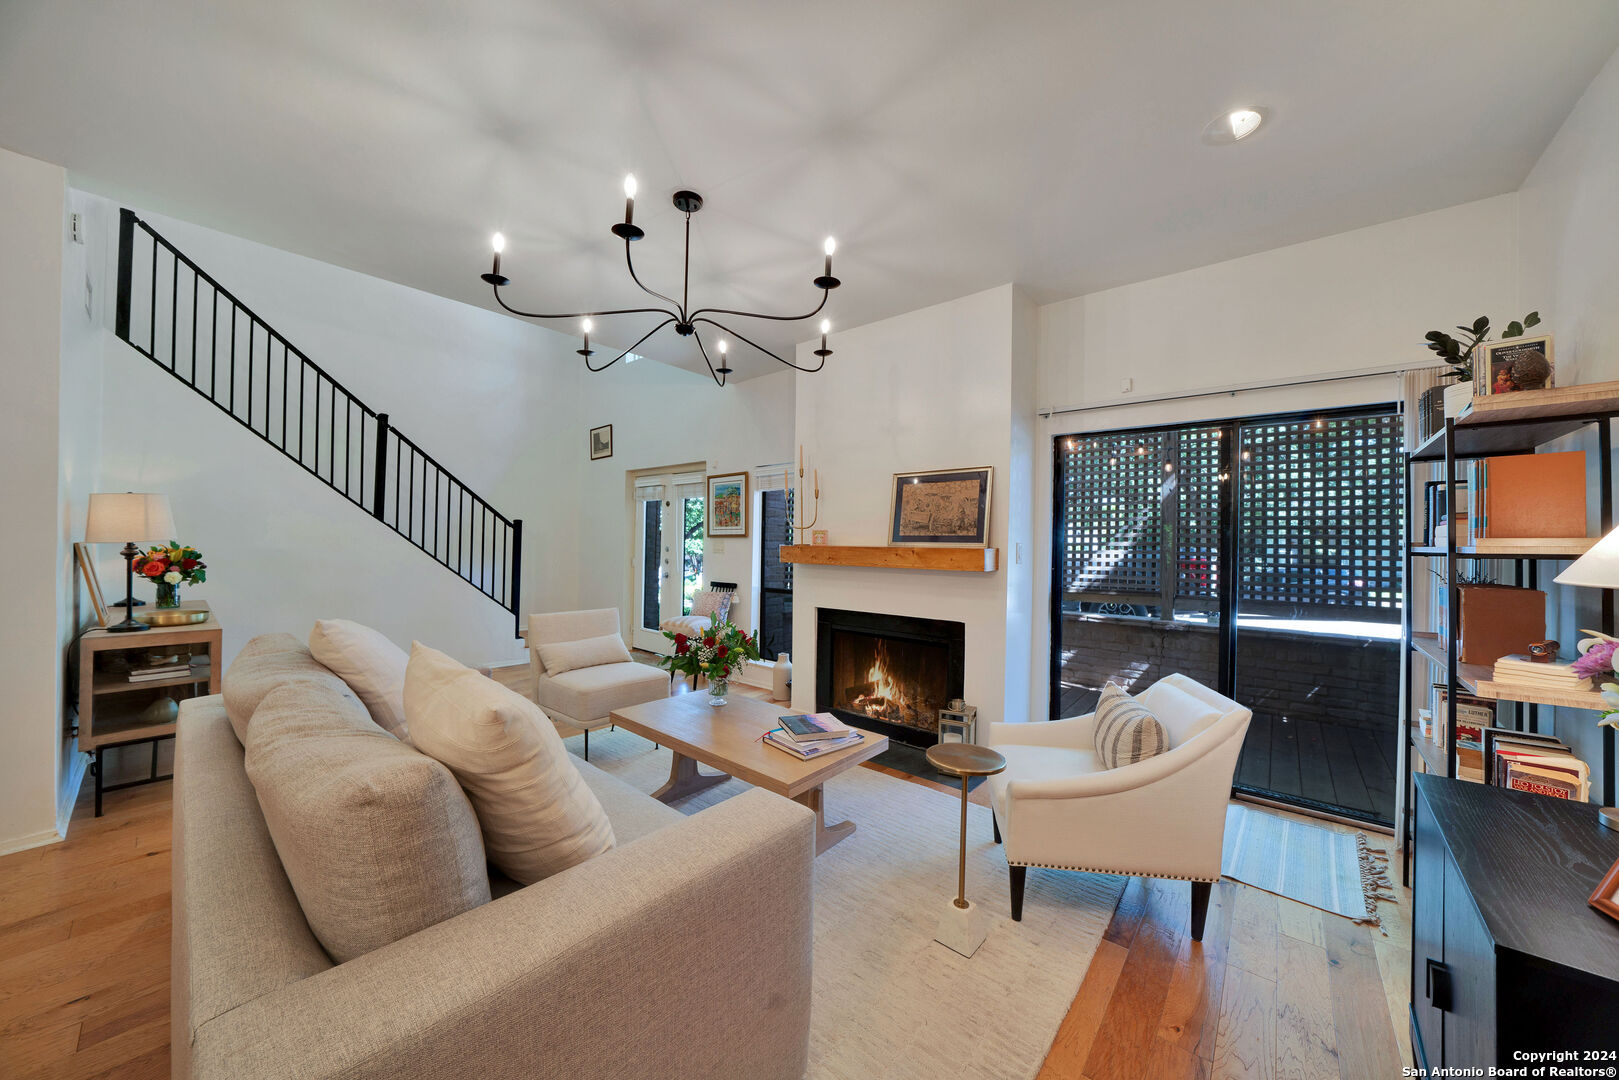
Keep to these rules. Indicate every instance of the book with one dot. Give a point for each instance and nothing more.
(1519, 666)
(780, 740)
(1540, 781)
(813, 727)
(1527, 495)
(1497, 740)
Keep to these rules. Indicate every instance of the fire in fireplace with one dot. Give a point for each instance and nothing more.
(888, 672)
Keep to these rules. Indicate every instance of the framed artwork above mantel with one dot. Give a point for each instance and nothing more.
(941, 507)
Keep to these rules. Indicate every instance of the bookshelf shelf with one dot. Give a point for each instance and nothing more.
(1502, 426)
(106, 682)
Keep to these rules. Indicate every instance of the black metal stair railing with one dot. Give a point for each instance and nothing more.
(172, 312)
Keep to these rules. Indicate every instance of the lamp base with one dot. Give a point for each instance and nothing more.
(1609, 816)
(962, 929)
(128, 626)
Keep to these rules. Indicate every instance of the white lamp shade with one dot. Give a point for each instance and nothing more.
(123, 517)
(1597, 568)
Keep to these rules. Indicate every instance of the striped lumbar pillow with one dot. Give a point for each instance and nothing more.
(1126, 730)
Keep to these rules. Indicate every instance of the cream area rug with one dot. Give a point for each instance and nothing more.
(1334, 871)
(889, 1000)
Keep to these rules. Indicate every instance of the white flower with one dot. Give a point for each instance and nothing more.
(172, 577)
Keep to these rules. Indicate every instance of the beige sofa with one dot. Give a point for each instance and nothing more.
(682, 951)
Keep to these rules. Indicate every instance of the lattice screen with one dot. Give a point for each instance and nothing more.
(1111, 521)
(1318, 517)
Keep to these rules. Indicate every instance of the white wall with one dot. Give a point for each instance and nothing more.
(493, 398)
(32, 213)
(1569, 240)
(1348, 303)
(664, 416)
(930, 389)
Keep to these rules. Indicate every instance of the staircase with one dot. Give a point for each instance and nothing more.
(173, 313)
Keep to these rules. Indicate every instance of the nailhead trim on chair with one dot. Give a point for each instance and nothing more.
(1099, 870)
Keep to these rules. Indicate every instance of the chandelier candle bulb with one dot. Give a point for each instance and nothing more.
(629, 199)
(587, 326)
(831, 246)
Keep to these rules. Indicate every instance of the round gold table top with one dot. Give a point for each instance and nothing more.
(965, 759)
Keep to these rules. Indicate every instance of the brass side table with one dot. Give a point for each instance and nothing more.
(962, 926)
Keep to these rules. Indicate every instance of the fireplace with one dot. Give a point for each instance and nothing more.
(888, 673)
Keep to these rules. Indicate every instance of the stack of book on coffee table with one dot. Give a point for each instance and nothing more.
(809, 735)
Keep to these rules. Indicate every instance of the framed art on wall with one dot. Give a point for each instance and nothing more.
(728, 505)
(601, 442)
(944, 507)
(92, 584)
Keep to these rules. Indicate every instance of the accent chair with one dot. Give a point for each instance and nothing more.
(584, 696)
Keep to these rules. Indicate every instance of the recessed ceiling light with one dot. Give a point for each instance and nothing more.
(1233, 125)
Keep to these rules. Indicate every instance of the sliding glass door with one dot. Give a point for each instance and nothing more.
(667, 554)
(1259, 557)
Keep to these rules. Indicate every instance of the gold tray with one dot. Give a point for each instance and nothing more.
(171, 617)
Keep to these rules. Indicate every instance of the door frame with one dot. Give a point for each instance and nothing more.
(670, 590)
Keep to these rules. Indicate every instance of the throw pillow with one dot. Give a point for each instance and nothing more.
(378, 840)
(266, 663)
(371, 665)
(1183, 716)
(1126, 730)
(711, 602)
(537, 814)
(560, 656)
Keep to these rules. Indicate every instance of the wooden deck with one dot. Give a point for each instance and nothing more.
(1331, 764)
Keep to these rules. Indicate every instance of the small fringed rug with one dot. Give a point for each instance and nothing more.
(1334, 871)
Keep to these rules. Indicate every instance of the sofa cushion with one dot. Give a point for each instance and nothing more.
(265, 663)
(537, 814)
(563, 656)
(1182, 715)
(632, 811)
(591, 693)
(1126, 730)
(371, 665)
(378, 840)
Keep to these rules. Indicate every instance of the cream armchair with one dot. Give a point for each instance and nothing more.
(1164, 817)
(584, 697)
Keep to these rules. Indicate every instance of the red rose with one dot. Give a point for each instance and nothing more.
(155, 568)
(720, 652)
(681, 647)
(188, 564)
(680, 639)
(709, 642)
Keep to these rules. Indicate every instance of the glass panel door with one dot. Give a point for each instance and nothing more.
(690, 509)
(649, 572)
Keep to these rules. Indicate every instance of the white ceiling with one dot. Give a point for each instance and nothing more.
(950, 146)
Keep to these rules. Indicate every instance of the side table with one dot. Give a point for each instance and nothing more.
(116, 711)
(962, 926)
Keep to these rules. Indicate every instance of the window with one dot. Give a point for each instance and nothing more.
(775, 576)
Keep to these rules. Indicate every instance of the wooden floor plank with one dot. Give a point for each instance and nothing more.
(1121, 929)
(1300, 921)
(1306, 1038)
(1129, 1029)
(1066, 1058)
(1245, 1048)
(1191, 1015)
(1366, 1045)
(1254, 925)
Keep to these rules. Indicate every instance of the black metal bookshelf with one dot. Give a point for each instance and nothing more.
(1520, 423)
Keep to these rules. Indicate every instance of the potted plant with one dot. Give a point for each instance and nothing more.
(1458, 352)
(721, 650)
(170, 567)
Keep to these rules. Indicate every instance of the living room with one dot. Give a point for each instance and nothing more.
(1161, 325)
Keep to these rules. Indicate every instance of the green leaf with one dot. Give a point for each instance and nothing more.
(1532, 319)
(1481, 324)
(1514, 329)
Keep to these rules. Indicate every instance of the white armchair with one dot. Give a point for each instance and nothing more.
(585, 696)
(1164, 817)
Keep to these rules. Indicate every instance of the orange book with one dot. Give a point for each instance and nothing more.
(1535, 495)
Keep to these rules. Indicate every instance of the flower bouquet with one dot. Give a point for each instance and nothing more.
(1597, 662)
(169, 568)
(721, 650)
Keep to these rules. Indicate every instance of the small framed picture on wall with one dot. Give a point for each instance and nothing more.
(728, 505)
(601, 442)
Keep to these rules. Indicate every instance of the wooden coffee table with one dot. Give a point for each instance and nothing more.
(730, 739)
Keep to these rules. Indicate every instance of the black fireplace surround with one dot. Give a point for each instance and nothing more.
(930, 652)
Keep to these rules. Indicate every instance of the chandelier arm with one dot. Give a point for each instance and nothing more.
(761, 348)
(582, 314)
(719, 380)
(650, 292)
(631, 349)
(756, 315)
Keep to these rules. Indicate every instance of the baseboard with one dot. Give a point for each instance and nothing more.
(23, 843)
(68, 797)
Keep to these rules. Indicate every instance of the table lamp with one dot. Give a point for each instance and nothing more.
(1597, 569)
(128, 516)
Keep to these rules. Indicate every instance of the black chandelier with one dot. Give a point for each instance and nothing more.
(679, 313)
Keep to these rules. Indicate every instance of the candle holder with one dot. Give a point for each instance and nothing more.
(798, 511)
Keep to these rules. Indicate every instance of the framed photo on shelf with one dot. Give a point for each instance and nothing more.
(941, 508)
(728, 505)
(92, 584)
(1520, 363)
(1606, 897)
(601, 442)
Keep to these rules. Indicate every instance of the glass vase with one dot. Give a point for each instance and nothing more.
(717, 689)
(168, 596)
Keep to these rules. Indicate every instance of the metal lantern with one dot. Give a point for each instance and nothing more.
(958, 723)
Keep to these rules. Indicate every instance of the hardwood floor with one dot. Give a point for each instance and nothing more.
(1275, 989)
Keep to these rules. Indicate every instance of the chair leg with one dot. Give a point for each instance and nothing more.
(1017, 874)
(587, 744)
(1200, 907)
(996, 825)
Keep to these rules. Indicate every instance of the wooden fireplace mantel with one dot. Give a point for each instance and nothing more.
(966, 559)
